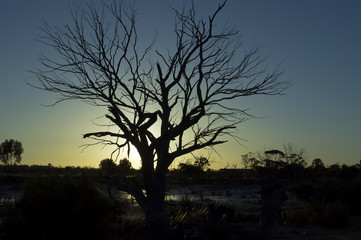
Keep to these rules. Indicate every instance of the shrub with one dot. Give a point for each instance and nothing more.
(350, 194)
(299, 216)
(59, 208)
(132, 228)
(331, 191)
(304, 191)
(336, 215)
(331, 215)
(187, 214)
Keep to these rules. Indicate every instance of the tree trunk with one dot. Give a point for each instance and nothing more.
(156, 221)
(152, 202)
(155, 215)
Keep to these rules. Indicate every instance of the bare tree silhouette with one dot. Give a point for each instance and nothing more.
(186, 91)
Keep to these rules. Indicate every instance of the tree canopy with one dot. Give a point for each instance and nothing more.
(10, 152)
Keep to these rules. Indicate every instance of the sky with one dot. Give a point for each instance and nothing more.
(316, 42)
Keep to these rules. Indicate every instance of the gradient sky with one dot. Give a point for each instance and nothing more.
(318, 43)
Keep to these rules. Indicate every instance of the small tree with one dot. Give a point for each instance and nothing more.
(189, 170)
(201, 162)
(246, 160)
(10, 152)
(108, 167)
(249, 162)
(317, 163)
(294, 155)
(124, 167)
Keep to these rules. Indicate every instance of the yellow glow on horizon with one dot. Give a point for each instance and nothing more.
(134, 157)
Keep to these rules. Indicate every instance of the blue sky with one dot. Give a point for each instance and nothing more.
(318, 43)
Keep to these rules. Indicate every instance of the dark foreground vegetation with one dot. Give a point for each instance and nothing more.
(83, 203)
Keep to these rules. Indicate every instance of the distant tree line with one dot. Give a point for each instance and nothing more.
(198, 170)
(290, 163)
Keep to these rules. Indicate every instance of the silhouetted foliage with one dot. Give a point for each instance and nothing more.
(201, 162)
(289, 163)
(108, 167)
(59, 208)
(124, 167)
(332, 215)
(325, 190)
(41, 170)
(10, 152)
(192, 172)
(111, 171)
(275, 155)
(189, 169)
(317, 163)
(350, 194)
(327, 199)
(294, 155)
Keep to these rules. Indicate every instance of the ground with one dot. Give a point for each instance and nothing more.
(312, 232)
(247, 199)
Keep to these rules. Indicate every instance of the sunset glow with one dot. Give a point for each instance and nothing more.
(317, 43)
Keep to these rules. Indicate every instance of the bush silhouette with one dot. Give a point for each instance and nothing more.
(350, 194)
(331, 215)
(59, 208)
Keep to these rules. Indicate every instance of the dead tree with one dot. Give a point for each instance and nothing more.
(187, 91)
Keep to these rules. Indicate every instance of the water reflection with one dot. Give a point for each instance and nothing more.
(223, 194)
(9, 194)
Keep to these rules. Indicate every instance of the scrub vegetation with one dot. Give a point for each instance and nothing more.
(165, 103)
(84, 203)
